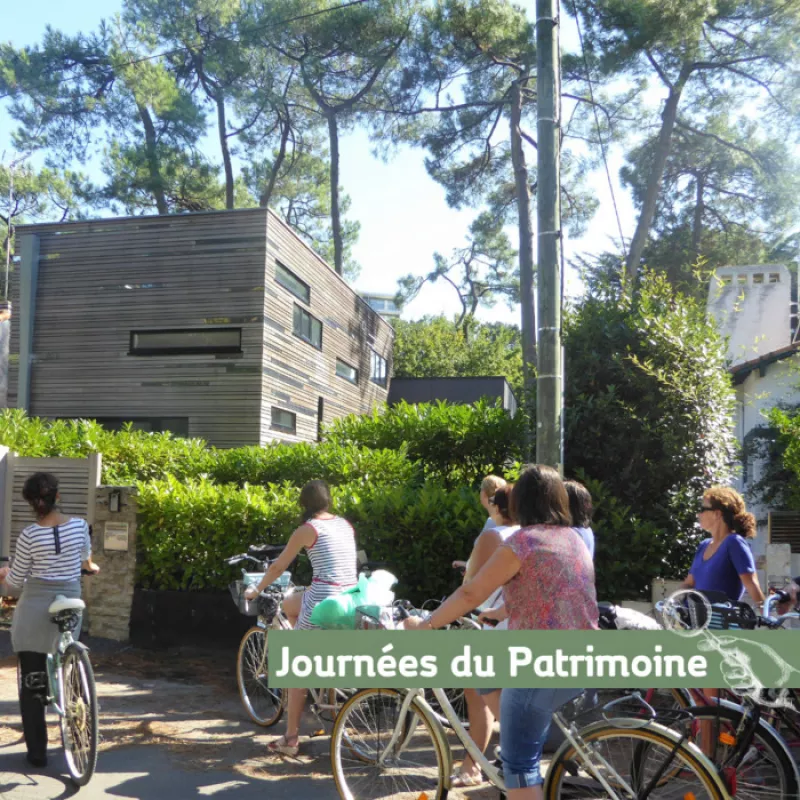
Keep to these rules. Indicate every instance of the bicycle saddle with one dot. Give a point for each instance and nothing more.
(62, 603)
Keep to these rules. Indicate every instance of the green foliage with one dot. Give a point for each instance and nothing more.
(299, 463)
(187, 528)
(129, 456)
(649, 408)
(455, 444)
(630, 550)
(435, 347)
(785, 422)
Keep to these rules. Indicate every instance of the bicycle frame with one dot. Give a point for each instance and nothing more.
(55, 672)
(569, 730)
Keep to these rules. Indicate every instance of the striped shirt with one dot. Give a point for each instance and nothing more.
(333, 554)
(51, 554)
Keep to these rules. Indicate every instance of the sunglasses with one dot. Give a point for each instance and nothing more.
(706, 508)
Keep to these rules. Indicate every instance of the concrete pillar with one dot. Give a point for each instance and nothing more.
(109, 595)
(28, 279)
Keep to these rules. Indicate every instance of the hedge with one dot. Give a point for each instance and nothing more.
(455, 444)
(186, 529)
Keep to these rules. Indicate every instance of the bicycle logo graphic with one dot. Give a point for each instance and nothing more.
(689, 613)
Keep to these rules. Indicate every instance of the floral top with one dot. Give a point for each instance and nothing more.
(554, 588)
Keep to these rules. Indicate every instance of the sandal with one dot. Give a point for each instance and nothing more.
(463, 779)
(281, 746)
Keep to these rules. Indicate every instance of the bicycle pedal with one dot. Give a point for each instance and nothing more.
(320, 732)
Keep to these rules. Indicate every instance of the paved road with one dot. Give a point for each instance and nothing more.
(147, 772)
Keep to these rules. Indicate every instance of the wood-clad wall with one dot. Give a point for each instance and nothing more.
(296, 374)
(100, 280)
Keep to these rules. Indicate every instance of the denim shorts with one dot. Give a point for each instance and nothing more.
(525, 716)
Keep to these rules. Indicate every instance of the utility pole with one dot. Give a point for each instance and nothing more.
(549, 378)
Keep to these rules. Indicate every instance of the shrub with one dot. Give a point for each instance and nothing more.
(186, 529)
(128, 455)
(649, 412)
(298, 463)
(455, 444)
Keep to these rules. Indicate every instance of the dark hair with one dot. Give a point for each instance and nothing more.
(734, 513)
(539, 497)
(580, 504)
(502, 500)
(40, 490)
(315, 496)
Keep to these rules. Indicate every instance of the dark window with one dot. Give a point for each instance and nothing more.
(186, 341)
(377, 372)
(347, 372)
(290, 281)
(284, 420)
(320, 416)
(308, 328)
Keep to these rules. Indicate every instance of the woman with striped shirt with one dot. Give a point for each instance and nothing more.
(331, 546)
(47, 561)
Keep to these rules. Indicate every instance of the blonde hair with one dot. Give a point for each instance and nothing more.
(731, 505)
(491, 483)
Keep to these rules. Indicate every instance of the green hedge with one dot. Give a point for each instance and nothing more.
(455, 444)
(128, 455)
(187, 528)
(302, 462)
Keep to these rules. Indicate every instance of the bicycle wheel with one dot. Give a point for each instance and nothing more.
(364, 769)
(79, 722)
(765, 772)
(263, 705)
(635, 762)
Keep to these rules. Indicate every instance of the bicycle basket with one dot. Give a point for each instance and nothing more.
(247, 607)
(375, 618)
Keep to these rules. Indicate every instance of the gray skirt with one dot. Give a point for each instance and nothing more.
(31, 628)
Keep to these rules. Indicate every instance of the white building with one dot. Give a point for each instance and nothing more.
(753, 307)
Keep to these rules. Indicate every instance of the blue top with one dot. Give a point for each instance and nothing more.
(587, 534)
(721, 572)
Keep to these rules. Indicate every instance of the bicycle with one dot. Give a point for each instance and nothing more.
(264, 705)
(751, 756)
(390, 743)
(72, 691)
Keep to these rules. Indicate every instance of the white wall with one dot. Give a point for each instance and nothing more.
(754, 396)
(752, 306)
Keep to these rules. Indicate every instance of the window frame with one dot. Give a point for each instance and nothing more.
(380, 360)
(134, 350)
(277, 426)
(313, 319)
(354, 380)
(279, 267)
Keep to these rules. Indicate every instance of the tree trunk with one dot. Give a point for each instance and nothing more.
(526, 265)
(266, 195)
(336, 221)
(153, 167)
(648, 211)
(699, 209)
(219, 99)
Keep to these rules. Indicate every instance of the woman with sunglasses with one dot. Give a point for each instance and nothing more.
(724, 563)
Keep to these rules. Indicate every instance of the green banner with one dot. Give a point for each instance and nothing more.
(500, 659)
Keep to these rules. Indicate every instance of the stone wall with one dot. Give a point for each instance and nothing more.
(109, 594)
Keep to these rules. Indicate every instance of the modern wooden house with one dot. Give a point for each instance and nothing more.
(220, 325)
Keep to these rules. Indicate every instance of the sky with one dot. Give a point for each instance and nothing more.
(403, 212)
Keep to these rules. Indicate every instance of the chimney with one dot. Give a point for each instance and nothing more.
(753, 307)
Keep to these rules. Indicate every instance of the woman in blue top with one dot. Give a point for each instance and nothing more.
(724, 563)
